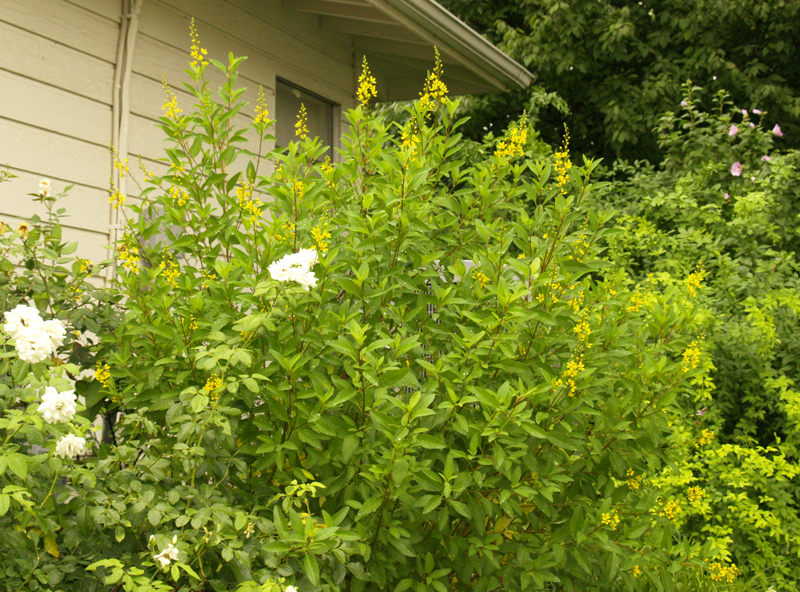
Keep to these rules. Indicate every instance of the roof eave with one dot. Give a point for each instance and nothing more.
(433, 22)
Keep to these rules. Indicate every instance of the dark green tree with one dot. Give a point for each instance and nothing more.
(619, 64)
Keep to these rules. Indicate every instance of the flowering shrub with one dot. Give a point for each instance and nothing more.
(393, 371)
(397, 371)
(721, 219)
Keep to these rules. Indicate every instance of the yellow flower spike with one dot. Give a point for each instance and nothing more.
(611, 519)
(563, 163)
(102, 374)
(197, 53)
(367, 88)
(434, 89)
(213, 383)
(262, 114)
(171, 103)
(480, 277)
(301, 127)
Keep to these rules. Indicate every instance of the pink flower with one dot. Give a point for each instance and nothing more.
(736, 169)
(727, 196)
(744, 112)
(684, 104)
(750, 124)
(757, 111)
(765, 158)
(733, 131)
(777, 131)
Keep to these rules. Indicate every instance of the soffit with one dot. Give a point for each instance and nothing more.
(397, 37)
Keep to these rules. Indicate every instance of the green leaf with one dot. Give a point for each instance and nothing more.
(199, 403)
(5, 504)
(311, 568)
(18, 463)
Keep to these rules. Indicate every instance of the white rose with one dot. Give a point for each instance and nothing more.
(44, 187)
(167, 555)
(71, 446)
(57, 332)
(57, 407)
(20, 319)
(296, 267)
(34, 346)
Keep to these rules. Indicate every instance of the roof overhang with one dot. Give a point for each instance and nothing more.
(397, 37)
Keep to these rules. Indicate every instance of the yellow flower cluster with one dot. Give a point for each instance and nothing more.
(262, 114)
(434, 89)
(86, 265)
(481, 278)
(706, 437)
(251, 206)
(691, 357)
(128, 256)
(582, 330)
(695, 280)
(298, 188)
(198, 53)
(633, 482)
(192, 323)
(636, 571)
(636, 302)
(75, 292)
(320, 234)
(410, 139)
(115, 198)
(3, 228)
(23, 230)
(367, 88)
(724, 573)
(671, 509)
(288, 232)
(611, 520)
(301, 126)
(171, 274)
(212, 385)
(208, 277)
(102, 374)
(574, 366)
(695, 494)
(514, 144)
(563, 164)
(179, 195)
(171, 104)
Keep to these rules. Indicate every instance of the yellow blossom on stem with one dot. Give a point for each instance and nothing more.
(171, 104)
(636, 571)
(434, 89)
(367, 88)
(480, 277)
(724, 573)
(213, 383)
(102, 374)
(691, 357)
(695, 280)
(301, 126)
(320, 233)
(611, 519)
(23, 230)
(671, 509)
(695, 494)
(706, 437)
(262, 114)
(563, 164)
(197, 53)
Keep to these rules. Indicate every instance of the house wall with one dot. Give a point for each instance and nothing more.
(56, 74)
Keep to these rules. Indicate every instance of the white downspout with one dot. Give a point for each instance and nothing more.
(120, 110)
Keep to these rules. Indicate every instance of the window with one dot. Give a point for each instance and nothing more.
(288, 98)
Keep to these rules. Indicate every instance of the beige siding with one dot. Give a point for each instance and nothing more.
(56, 76)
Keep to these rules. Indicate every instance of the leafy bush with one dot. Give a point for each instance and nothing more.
(722, 213)
(394, 371)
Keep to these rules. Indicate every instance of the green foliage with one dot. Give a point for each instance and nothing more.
(398, 371)
(735, 239)
(620, 65)
(40, 532)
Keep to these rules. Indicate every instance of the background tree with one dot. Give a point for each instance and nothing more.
(619, 65)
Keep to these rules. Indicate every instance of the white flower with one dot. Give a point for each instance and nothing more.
(44, 187)
(34, 346)
(35, 339)
(290, 589)
(296, 267)
(21, 318)
(57, 406)
(71, 446)
(57, 332)
(169, 554)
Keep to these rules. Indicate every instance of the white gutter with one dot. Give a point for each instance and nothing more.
(433, 22)
(121, 110)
